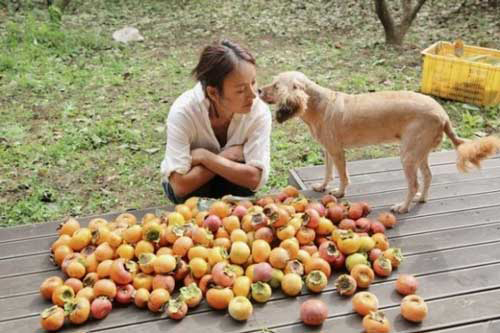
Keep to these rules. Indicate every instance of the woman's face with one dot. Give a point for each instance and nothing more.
(238, 90)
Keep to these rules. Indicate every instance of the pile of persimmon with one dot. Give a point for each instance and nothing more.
(225, 252)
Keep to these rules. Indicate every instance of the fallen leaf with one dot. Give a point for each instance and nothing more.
(152, 150)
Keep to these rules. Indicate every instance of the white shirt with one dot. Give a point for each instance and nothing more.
(188, 128)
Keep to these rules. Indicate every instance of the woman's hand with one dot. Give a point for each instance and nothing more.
(234, 153)
(198, 155)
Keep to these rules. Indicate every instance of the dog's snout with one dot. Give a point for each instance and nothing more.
(259, 91)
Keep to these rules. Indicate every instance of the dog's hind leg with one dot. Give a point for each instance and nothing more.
(427, 178)
(340, 165)
(328, 174)
(424, 150)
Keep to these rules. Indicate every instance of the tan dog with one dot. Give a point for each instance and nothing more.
(339, 121)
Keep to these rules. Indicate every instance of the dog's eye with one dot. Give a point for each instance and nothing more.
(294, 87)
(275, 86)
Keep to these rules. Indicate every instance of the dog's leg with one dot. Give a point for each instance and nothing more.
(410, 166)
(340, 165)
(427, 178)
(328, 174)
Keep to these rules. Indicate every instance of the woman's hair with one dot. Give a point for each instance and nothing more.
(218, 60)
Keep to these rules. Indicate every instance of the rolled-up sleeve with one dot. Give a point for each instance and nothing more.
(178, 148)
(257, 148)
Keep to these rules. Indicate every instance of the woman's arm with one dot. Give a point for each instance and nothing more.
(199, 175)
(237, 173)
(183, 184)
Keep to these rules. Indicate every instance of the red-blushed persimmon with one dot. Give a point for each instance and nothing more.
(101, 307)
(406, 284)
(313, 312)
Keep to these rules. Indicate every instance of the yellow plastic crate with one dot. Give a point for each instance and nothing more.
(473, 77)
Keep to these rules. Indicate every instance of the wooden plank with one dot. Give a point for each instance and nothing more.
(490, 326)
(436, 192)
(445, 221)
(25, 284)
(388, 182)
(425, 264)
(376, 164)
(43, 229)
(445, 205)
(456, 290)
(26, 247)
(295, 180)
(447, 239)
(443, 313)
(26, 265)
(382, 165)
(380, 175)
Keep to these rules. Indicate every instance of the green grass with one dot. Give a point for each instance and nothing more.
(83, 117)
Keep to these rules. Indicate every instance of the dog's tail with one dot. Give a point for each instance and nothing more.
(472, 152)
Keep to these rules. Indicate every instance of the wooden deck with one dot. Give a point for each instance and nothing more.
(451, 243)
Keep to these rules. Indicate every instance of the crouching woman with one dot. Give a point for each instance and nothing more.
(218, 133)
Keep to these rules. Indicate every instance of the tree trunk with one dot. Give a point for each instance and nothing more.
(394, 34)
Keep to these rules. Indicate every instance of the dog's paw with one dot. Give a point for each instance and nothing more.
(319, 187)
(338, 193)
(420, 198)
(399, 208)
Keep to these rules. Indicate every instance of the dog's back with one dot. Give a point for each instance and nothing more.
(380, 117)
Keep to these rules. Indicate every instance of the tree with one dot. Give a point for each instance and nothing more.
(395, 33)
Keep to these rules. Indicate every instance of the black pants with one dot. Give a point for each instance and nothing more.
(215, 188)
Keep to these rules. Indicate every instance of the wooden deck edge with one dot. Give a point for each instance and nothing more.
(294, 180)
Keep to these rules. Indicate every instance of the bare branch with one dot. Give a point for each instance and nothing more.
(408, 19)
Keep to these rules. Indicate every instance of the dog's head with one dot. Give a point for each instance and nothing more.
(287, 91)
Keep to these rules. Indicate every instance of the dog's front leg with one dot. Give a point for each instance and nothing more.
(328, 174)
(340, 165)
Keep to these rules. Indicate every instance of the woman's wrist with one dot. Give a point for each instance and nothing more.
(199, 156)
